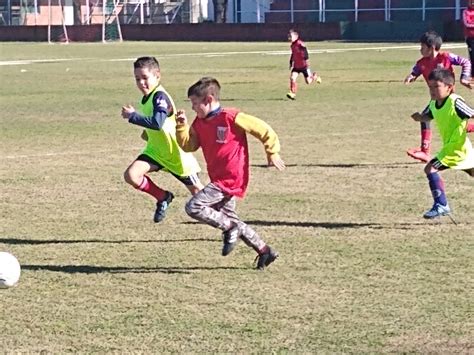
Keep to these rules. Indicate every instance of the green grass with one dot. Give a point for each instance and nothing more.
(360, 271)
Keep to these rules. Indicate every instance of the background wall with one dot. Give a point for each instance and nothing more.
(360, 31)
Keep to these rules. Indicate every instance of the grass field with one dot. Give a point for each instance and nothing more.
(360, 271)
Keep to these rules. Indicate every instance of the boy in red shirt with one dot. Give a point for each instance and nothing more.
(221, 134)
(468, 22)
(299, 63)
(433, 58)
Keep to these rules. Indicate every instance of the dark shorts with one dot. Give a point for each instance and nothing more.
(438, 165)
(305, 71)
(186, 180)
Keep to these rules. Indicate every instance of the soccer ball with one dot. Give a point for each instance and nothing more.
(9, 270)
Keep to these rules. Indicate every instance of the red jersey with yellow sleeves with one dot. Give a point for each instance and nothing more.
(223, 140)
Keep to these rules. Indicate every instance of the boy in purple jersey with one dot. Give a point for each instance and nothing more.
(432, 58)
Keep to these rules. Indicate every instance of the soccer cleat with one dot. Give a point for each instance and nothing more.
(419, 154)
(230, 238)
(265, 259)
(437, 210)
(291, 95)
(162, 206)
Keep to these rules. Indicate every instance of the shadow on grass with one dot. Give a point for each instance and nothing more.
(73, 241)
(335, 225)
(349, 166)
(91, 269)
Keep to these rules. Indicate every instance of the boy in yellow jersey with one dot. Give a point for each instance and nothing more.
(451, 115)
(157, 114)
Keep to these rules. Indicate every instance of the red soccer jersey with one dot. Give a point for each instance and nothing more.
(468, 21)
(427, 65)
(225, 149)
(299, 54)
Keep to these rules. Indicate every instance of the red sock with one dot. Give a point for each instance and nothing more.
(426, 139)
(470, 127)
(293, 86)
(150, 188)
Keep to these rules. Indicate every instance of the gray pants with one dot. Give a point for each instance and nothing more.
(214, 207)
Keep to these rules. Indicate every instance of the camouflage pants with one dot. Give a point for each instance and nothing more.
(214, 207)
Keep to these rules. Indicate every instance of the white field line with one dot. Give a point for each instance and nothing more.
(283, 138)
(222, 54)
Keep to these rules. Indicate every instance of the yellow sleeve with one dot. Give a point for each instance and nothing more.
(186, 138)
(260, 130)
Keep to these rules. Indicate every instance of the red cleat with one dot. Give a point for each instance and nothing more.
(419, 154)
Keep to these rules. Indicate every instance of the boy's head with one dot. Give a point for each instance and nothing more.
(293, 35)
(441, 83)
(147, 74)
(204, 96)
(470, 4)
(430, 43)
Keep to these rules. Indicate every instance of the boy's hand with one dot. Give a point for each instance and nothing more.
(417, 116)
(466, 83)
(181, 118)
(276, 161)
(409, 79)
(127, 111)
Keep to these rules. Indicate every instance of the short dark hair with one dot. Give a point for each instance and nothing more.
(432, 39)
(205, 86)
(150, 63)
(443, 75)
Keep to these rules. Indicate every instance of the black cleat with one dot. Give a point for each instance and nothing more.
(162, 206)
(230, 238)
(265, 259)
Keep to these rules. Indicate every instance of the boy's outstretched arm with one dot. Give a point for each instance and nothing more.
(466, 68)
(265, 134)
(185, 135)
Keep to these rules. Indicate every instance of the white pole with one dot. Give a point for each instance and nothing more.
(87, 13)
(458, 10)
(320, 11)
(49, 21)
(423, 13)
(291, 11)
(103, 20)
(324, 10)
(356, 10)
(142, 16)
(36, 12)
(258, 11)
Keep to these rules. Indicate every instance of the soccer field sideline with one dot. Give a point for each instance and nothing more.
(223, 54)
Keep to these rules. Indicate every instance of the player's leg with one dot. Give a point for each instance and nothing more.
(470, 126)
(204, 206)
(192, 183)
(470, 48)
(266, 254)
(436, 183)
(423, 152)
(293, 85)
(310, 77)
(136, 175)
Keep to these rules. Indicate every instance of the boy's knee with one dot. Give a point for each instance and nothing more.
(192, 208)
(131, 178)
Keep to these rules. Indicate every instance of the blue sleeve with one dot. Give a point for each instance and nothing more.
(427, 112)
(162, 108)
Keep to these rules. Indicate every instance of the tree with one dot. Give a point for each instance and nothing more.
(220, 9)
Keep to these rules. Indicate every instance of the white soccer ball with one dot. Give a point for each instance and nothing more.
(9, 270)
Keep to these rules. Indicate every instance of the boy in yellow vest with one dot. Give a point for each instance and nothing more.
(157, 114)
(451, 115)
